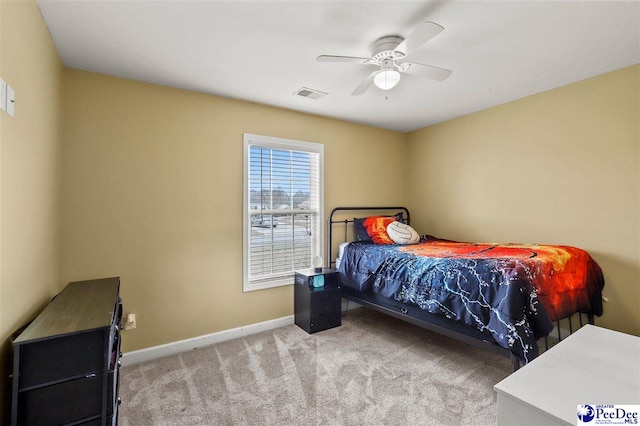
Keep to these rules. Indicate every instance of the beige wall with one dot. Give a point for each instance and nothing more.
(560, 167)
(152, 192)
(29, 173)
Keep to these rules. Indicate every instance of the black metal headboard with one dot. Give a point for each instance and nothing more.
(346, 221)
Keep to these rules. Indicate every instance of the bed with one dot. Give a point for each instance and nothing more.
(501, 297)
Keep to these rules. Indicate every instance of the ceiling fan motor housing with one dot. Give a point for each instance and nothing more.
(383, 48)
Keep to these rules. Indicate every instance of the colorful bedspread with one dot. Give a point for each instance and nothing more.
(512, 291)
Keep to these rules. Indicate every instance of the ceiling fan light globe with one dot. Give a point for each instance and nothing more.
(386, 79)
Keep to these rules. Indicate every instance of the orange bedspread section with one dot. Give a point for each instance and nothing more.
(567, 280)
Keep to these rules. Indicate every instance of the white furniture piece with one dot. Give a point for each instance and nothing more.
(592, 366)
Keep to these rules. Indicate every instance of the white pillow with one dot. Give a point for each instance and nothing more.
(401, 233)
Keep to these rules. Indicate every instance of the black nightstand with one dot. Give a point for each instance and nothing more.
(317, 308)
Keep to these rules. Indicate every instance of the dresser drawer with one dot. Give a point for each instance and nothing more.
(324, 322)
(327, 301)
(51, 405)
(64, 357)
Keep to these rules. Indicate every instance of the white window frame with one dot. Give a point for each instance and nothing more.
(284, 144)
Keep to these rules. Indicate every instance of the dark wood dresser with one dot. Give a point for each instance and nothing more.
(66, 362)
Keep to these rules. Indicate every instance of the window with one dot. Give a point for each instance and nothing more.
(283, 205)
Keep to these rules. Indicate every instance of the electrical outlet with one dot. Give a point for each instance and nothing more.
(130, 322)
(11, 101)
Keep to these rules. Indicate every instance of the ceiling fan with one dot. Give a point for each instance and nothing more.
(390, 59)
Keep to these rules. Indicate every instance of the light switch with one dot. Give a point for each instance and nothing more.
(11, 101)
(3, 95)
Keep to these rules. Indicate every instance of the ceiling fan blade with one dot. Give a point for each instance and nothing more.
(366, 83)
(429, 71)
(420, 36)
(331, 58)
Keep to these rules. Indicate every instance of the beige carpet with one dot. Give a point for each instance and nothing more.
(373, 370)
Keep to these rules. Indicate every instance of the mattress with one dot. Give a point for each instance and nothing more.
(340, 253)
(511, 291)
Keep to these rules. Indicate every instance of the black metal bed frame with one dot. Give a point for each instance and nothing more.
(414, 315)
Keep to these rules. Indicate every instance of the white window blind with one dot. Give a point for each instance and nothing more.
(282, 209)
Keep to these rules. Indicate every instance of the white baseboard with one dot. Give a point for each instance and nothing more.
(147, 354)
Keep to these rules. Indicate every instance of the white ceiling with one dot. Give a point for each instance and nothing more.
(264, 51)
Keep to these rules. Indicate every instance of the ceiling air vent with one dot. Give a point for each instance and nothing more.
(305, 92)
